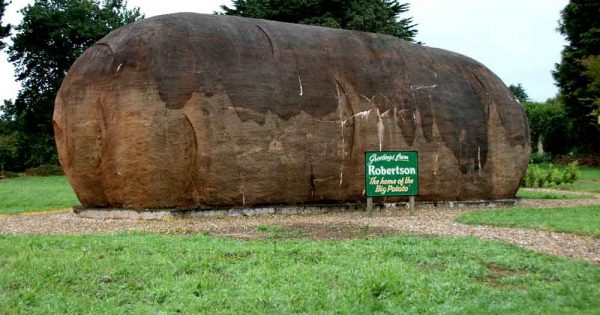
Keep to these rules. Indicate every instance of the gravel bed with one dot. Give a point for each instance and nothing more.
(433, 221)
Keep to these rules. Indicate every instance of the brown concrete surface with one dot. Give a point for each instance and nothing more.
(189, 110)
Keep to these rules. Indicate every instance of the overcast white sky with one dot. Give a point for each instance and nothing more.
(516, 39)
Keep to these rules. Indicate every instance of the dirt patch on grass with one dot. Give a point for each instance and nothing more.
(313, 231)
(430, 266)
(500, 277)
(333, 231)
(496, 271)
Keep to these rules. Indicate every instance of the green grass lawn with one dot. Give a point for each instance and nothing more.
(590, 173)
(150, 273)
(588, 181)
(34, 193)
(528, 193)
(578, 220)
(586, 172)
(582, 185)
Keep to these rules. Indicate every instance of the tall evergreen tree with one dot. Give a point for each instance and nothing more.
(8, 143)
(52, 34)
(580, 24)
(592, 70)
(4, 29)
(519, 92)
(376, 16)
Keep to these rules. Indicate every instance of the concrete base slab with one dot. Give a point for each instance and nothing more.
(159, 214)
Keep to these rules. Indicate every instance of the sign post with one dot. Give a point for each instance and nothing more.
(370, 206)
(391, 174)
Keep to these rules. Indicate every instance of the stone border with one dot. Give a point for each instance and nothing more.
(159, 214)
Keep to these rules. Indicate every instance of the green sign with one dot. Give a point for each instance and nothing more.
(392, 173)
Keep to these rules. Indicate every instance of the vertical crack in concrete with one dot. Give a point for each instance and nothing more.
(339, 88)
(268, 39)
(243, 186)
(103, 146)
(380, 130)
(380, 126)
(312, 182)
(300, 83)
(194, 157)
(479, 160)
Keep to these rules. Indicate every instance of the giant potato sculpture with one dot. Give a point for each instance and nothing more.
(190, 110)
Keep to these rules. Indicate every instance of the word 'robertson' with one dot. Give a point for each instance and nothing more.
(391, 170)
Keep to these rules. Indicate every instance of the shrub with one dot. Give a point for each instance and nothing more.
(555, 177)
(11, 174)
(538, 176)
(571, 173)
(44, 170)
(531, 175)
(550, 123)
(537, 158)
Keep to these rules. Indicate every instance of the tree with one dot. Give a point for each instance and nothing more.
(9, 142)
(592, 71)
(519, 92)
(8, 149)
(52, 34)
(581, 26)
(376, 16)
(550, 126)
(4, 29)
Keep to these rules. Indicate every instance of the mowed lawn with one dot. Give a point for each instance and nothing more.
(577, 220)
(35, 193)
(533, 193)
(145, 273)
(589, 180)
(153, 273)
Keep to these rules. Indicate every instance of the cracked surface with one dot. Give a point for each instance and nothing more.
(189, 110)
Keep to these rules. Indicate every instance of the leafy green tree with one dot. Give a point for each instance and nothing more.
(592, 71)
(52, 34)
(519, 92)
(580, 24)
(8, 149)
(550, 126)
(376, 16)
(4, 29)
(9, 142)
